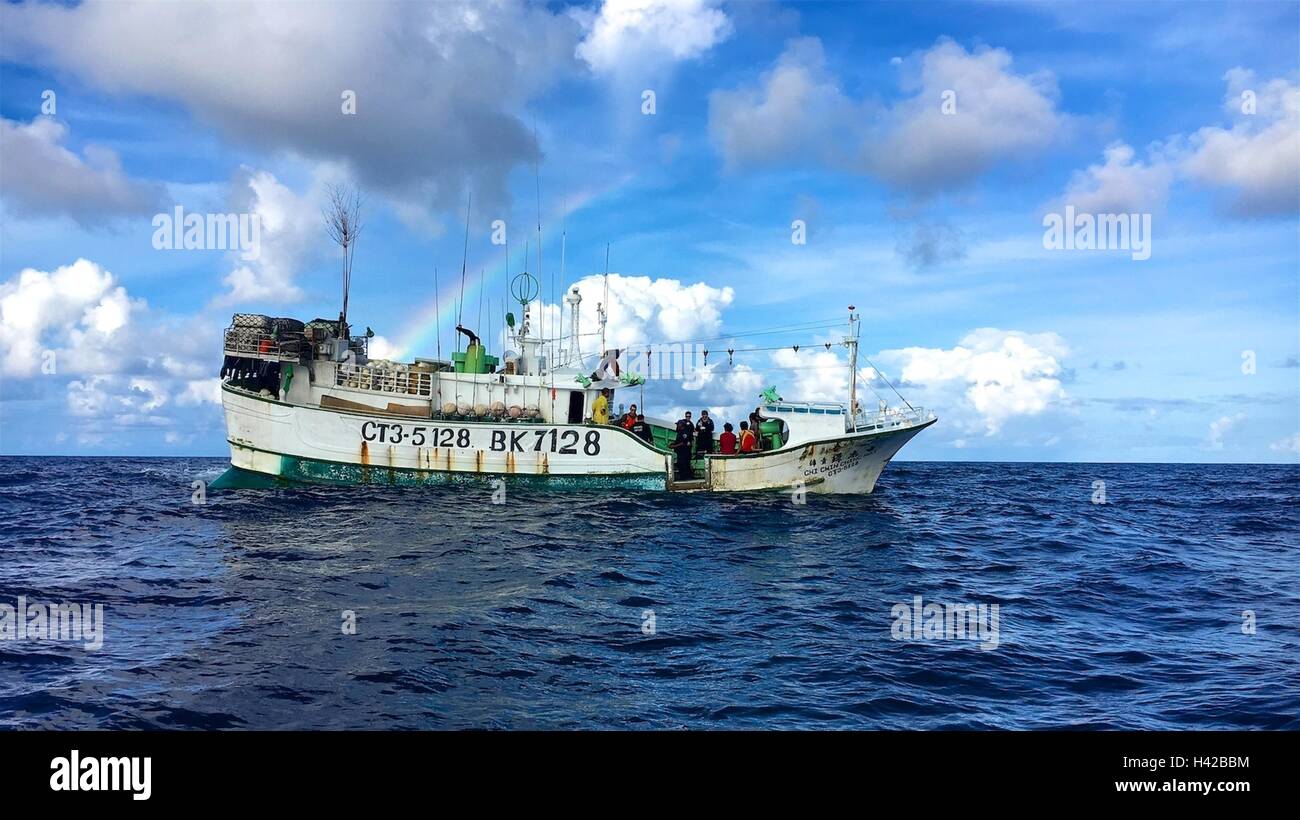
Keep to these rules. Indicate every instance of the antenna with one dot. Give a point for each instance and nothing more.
(564, 237)
(437, 313)
(464, 261)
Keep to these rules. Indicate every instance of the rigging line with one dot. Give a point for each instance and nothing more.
(784, 329)
(888, 382)
(812, 346)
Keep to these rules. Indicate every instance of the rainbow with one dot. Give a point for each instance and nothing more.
(419, 334)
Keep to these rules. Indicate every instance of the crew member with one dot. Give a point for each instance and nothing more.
(748, 441)
(727, 441)
(755, 419)
(682, 446)
(600, 408)
(642, 430)
(704, 434)
(685, 423)
(630, 419)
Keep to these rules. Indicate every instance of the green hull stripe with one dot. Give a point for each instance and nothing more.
(310, 471)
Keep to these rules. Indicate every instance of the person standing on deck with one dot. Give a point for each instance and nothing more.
(755, 419)
(704, 434)
(682, 446)
(600, 408)
(685, 423)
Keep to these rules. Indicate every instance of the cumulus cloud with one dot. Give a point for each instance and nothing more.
(437, 85)
(811, 375)
(1256, 161)
(630, 35)
(41, 177)
(1254, 164)
(1221, 426)
(75, 311)
(124, 365)
(642, 310)
(1121, 184)
(991, 377)
(996, 114)
(798, 114)
(1290, 444)
(292, 230)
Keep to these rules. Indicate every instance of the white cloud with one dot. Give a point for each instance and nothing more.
(380, 347)
(642, 310)
(40, 177)
(76, 311)
(1122, 184)
(631, 35)
(437, 85)
(811, 375)
(1257, 160)
(292, 229)
(798, 114)
(1255, 163)
(125, 365)
(991, 377)
(1221, 426)
(123, 401)
(1290, 444)
(998, 114)
(200, 391)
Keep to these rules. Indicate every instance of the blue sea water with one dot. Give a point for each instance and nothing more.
(534, 614)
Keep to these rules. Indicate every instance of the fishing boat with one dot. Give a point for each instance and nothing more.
(305, 403)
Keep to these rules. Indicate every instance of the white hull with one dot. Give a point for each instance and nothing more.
(299, 443)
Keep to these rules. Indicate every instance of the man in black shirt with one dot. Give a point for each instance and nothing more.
(642, 430)
(704, 434)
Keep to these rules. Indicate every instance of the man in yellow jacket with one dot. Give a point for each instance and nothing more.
(600, 408)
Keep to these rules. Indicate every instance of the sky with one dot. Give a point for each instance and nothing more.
(751, 169)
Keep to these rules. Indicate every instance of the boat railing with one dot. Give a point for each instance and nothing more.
(401, 381)
(891, 417)
(255, 343)
(814, 407)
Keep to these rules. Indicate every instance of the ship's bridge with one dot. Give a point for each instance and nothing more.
(812, 421)
(807, 420)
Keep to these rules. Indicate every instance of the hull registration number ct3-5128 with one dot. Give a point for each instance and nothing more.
(569, 442)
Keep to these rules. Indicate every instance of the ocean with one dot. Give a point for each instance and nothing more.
(1173, 605)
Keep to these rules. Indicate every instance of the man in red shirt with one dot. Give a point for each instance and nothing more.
(727, 441)
(748, 441)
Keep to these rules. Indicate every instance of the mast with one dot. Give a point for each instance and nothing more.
(852, 342)
(601, 307)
